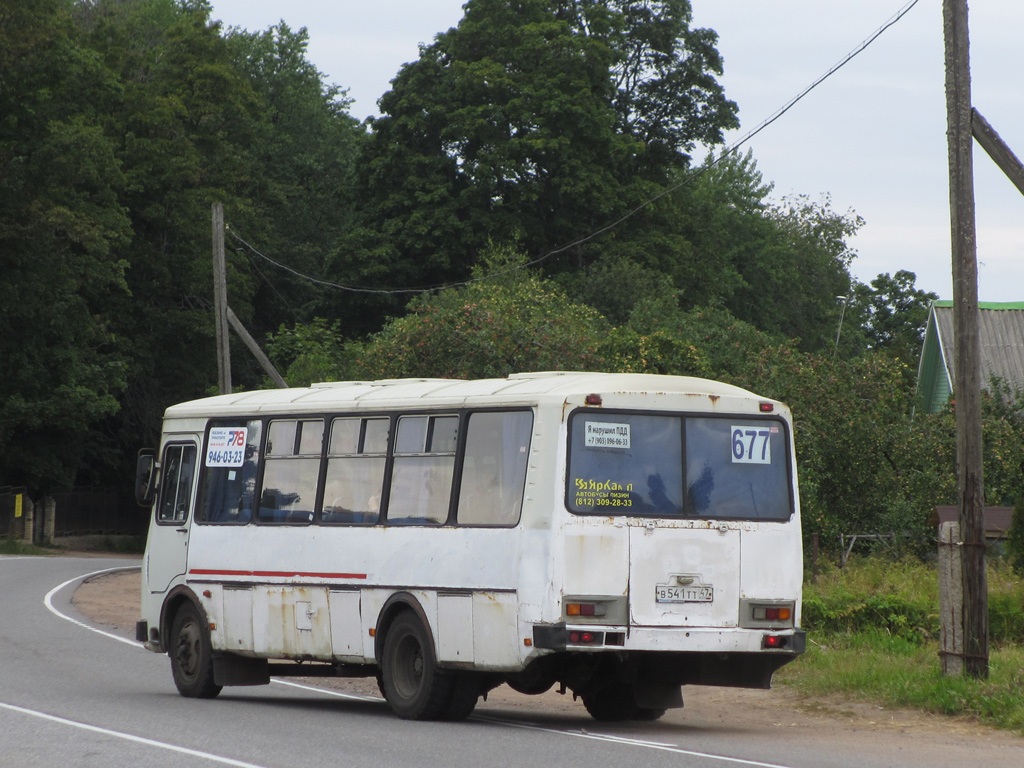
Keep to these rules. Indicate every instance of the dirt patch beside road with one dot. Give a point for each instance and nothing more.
(113, 600)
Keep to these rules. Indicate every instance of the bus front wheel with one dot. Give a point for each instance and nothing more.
(413, 685)
(192, 655)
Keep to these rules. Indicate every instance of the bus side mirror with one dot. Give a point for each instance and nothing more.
(145, 477)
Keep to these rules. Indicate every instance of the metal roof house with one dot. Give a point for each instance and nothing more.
(1001, 334)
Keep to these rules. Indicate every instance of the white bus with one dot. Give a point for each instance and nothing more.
(618, 535)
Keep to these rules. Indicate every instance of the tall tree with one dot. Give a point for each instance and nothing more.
(536, 120)
(305, 147)
(184, 121)
(61, 232)
(894, 313)
(666, 95)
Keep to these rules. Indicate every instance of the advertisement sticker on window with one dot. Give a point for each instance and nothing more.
(603, 434)
(226, 447)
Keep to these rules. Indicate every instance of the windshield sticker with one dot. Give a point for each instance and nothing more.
(226, 447)
(603, 434)
(752, 445)
(602, 493)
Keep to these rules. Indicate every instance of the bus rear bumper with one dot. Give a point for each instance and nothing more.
(739, 658)
(562, 637)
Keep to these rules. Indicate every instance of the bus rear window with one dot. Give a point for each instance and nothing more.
(660, 465)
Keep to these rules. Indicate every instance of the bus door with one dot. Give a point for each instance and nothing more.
(167, 546)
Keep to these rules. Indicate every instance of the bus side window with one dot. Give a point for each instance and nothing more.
(424, 465)
(228, 484)
(494, 469)
(176, 494)
(356, 455)
(291, 468)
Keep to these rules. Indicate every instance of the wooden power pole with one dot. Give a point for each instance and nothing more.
(220, 302)
(226, 319)
(967, 355)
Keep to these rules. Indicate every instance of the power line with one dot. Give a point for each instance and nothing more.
(689, 179)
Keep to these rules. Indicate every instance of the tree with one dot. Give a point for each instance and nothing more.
(512, 321)
(718, 241)
(790, 288)
(666, 96)
(894, 313)
(184, 120)
(537, 121)
(305, 146)
(62, 229)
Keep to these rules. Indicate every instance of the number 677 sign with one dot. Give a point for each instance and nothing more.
(751, 445)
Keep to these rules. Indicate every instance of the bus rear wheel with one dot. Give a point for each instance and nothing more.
(413, 685)
(192, 655)
(613, 703)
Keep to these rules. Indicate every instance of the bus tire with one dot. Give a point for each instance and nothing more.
(464, 696)
(192, 655)
(413, 685)
(649, 714)
(613, 703)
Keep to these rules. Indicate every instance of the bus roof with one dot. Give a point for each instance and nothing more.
(516, 389)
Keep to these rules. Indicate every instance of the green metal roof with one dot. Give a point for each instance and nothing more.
(1001, 334)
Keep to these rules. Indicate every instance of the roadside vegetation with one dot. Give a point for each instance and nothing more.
(12, 546)
(873, 634)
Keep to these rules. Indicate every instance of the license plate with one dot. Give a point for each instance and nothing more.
(684, 594)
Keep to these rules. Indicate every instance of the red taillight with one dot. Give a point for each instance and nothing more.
(766, 407)
(584, 638)
(774, 641)
(766, 613)
(593, 399)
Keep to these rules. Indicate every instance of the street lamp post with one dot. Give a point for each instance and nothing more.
(843, 300)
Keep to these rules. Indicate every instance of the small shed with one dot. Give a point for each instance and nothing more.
(1001, 335)
(997, 519)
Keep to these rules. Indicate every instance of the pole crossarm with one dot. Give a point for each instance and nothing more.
(997, 149)
(258, 353)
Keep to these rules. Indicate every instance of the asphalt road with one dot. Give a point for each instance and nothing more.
(74, 694)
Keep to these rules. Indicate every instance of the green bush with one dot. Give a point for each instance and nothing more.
(901, 600)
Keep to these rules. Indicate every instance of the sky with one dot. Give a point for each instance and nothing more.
(872, 137)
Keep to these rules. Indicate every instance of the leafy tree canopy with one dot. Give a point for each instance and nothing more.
(893, 313)
(537, 121)
(514, 321)
(62, 231)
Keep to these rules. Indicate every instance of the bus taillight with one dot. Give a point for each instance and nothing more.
(585, 609)
(581, 637)
(765, 613)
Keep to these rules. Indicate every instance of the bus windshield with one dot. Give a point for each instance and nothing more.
(669, 465)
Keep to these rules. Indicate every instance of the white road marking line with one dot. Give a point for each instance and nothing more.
(661, 746)
(328, 691)
(48, 602)
(130, 737)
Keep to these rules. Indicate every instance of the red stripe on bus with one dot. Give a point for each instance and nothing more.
(274, 574)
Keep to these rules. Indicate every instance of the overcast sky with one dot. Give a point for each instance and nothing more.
(873, 136)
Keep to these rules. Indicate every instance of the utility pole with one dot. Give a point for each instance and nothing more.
(967, 355)
(220, 302)
(226, 319)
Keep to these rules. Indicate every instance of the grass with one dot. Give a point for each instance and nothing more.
(11, 546)
(873, 635)
(125, 545)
